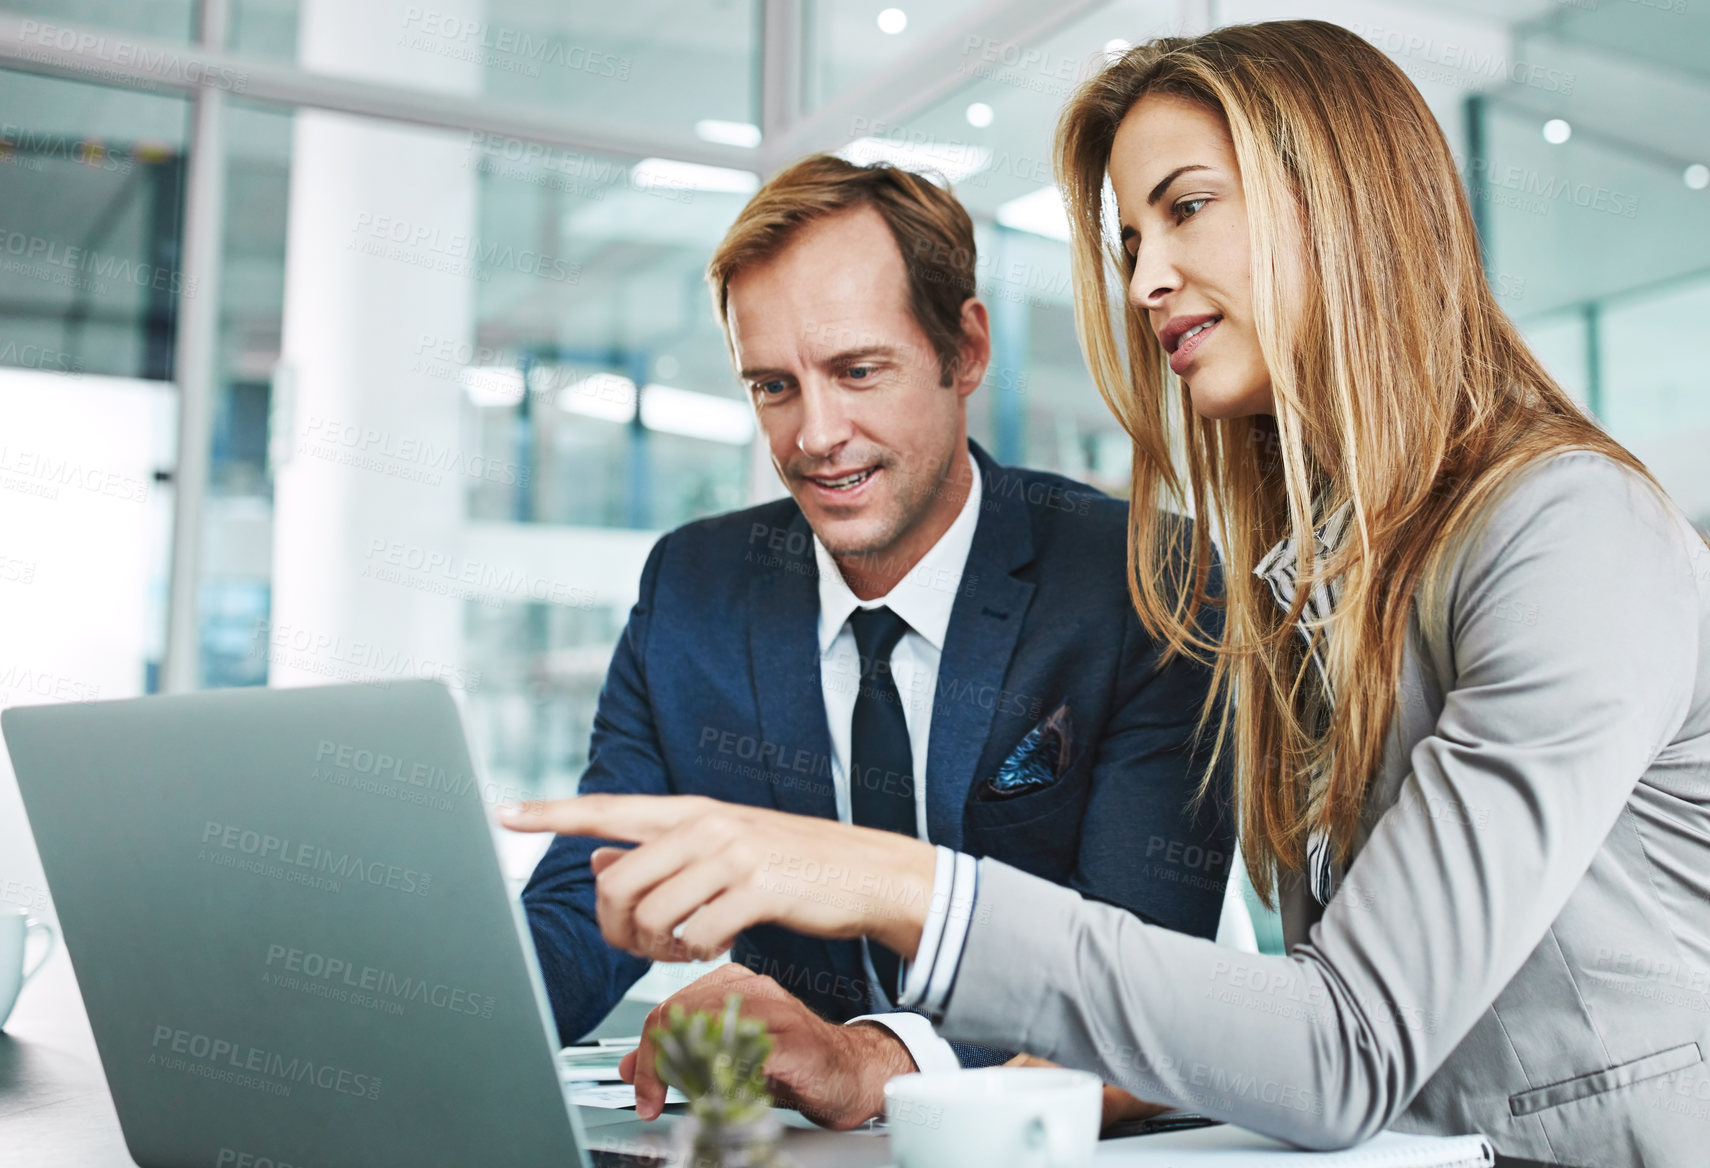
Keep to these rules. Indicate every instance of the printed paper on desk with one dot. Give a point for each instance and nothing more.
(597, 1063)
(1233, 1147)
(615, 1095)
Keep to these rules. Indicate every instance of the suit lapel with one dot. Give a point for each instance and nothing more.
(985, 624)
(783, 644)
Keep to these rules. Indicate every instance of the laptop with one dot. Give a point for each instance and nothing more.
(293, 937)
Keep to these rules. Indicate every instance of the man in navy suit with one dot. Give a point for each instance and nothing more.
(912, 609)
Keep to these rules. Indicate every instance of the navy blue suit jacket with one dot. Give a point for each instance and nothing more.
(714, 689)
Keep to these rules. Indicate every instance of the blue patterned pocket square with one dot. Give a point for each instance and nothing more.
(1040, 760)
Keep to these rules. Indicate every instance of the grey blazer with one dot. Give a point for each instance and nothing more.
(1521, 944)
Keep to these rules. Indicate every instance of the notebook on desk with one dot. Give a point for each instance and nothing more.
(1232, 1147)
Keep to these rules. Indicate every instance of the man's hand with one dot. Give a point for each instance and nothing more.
(706, 870)
(834, 1075)
(1119, 1105)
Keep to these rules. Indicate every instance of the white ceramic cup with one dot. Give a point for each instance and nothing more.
(996, 1117)
(15, 929)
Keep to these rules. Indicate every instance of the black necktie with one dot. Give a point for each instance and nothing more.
(881, 769)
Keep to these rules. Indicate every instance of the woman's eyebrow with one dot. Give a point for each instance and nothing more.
(1170, 178)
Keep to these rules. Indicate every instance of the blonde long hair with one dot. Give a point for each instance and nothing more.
(1402, 390)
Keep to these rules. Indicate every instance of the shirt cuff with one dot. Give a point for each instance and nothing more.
(930, 1053)
(917, 973)
(932, 974)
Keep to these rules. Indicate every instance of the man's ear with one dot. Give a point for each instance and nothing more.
(975, 352)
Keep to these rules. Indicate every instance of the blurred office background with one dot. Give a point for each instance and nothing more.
(368, 340)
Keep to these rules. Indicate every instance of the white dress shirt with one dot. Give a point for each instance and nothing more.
(924, 599)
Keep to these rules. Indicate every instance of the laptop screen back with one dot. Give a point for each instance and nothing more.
(290, 929)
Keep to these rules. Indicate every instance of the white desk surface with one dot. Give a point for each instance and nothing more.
(56, 1112)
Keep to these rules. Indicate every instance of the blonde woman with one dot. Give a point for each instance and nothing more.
(1469, 634)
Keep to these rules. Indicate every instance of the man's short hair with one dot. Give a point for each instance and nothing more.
(932, 230)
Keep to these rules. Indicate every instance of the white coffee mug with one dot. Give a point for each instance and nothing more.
(997, 1117)
(15, 929)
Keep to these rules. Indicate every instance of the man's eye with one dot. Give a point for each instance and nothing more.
(859, 372)
(771, 388)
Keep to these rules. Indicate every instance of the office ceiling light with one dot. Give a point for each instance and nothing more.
(955, 161)
(1557, 131)
(1040, 212)
(893, 21)
(1696, 177)
(980, 115)
(696, 415)
(493, 385)
(728, 133)
(670, 174)
(607, 396)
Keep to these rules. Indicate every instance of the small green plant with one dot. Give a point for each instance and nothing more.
(718, 1062)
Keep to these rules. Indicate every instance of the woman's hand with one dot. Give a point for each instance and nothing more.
(706, 870)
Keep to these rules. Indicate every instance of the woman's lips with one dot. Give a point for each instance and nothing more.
(1183, 356)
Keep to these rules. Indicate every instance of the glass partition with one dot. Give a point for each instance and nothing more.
(163, 20)
(1596, 197)
(91, 179)
(467, 378)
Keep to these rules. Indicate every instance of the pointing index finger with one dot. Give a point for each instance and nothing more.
(632, 818)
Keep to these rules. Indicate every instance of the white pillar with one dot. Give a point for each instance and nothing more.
(371, 467)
